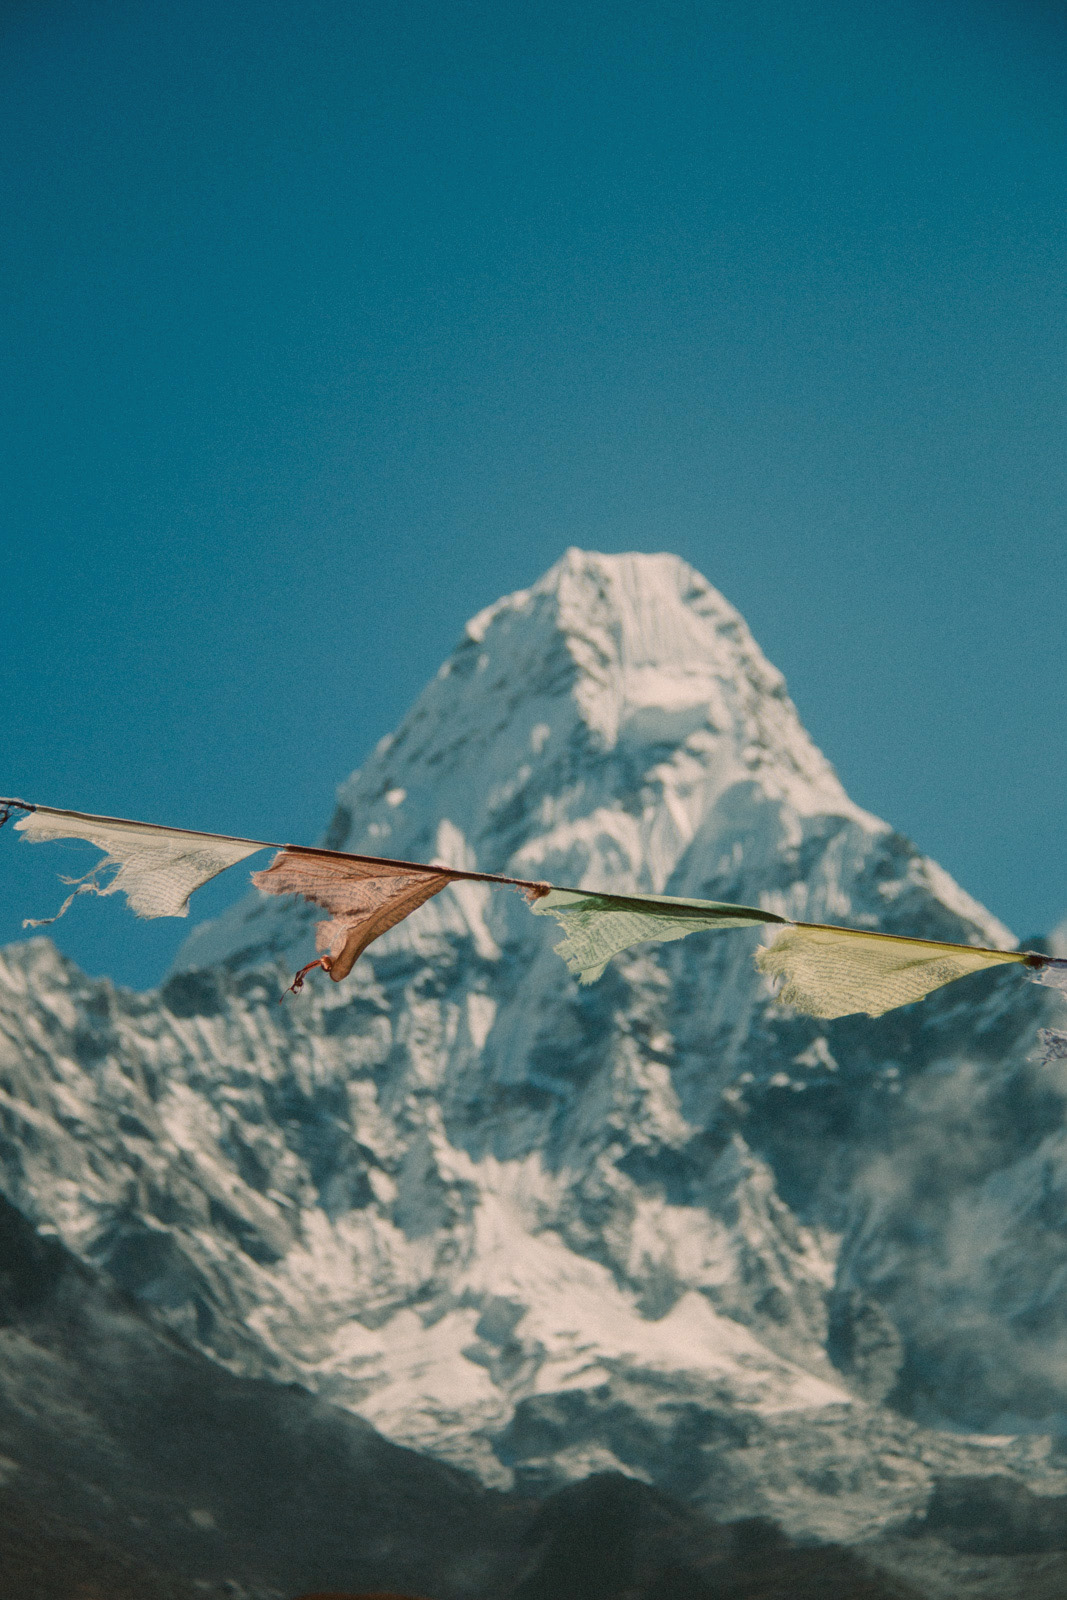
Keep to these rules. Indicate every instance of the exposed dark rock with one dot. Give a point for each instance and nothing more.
(611, 1538)
(996, 1515)
(167, 1471)
(132, 1468)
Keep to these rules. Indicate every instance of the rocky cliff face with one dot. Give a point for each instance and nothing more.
(658, 1223)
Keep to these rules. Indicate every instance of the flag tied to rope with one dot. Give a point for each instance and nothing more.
(822, 970)
(834, 972)
(157, 868)
(365, 899)
(599, 926)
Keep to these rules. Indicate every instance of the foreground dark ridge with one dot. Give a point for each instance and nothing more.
(134, 1468)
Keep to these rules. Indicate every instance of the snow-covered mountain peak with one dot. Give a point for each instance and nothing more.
(641, 631)
(659, 1222)
(637, 649)
(615, 725)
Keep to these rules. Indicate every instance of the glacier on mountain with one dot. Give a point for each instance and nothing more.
(662, 1223)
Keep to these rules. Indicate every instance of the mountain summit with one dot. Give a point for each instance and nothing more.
(661, 1224)
(615, 726)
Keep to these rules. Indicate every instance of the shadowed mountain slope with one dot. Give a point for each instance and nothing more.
(135, 1469)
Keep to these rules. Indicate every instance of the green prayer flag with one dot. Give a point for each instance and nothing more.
(599, 926)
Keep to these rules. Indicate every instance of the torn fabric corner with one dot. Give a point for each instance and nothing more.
(157, 868)
(365, 899)
(835, 972)
(599, 926)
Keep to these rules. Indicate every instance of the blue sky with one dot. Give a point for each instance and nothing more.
(327, 323)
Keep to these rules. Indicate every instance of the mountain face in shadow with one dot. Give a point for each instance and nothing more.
(610, 1537)
(136, 1469)
(137, 1465)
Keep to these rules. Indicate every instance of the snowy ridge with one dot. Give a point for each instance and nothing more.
(609, 727)
(659, 1223)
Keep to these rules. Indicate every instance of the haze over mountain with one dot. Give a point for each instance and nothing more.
(659, 1225)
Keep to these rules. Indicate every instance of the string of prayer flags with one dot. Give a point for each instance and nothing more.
(158, 868)
(824, 971)
(599, 926)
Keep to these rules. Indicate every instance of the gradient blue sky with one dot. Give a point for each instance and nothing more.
(326, 323)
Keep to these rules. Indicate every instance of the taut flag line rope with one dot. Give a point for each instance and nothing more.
(825, 971)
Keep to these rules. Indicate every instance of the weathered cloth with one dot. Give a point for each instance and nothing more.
(825, 971)
(366, 898)
(158, 868)
(834, 972)
(599, 926)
